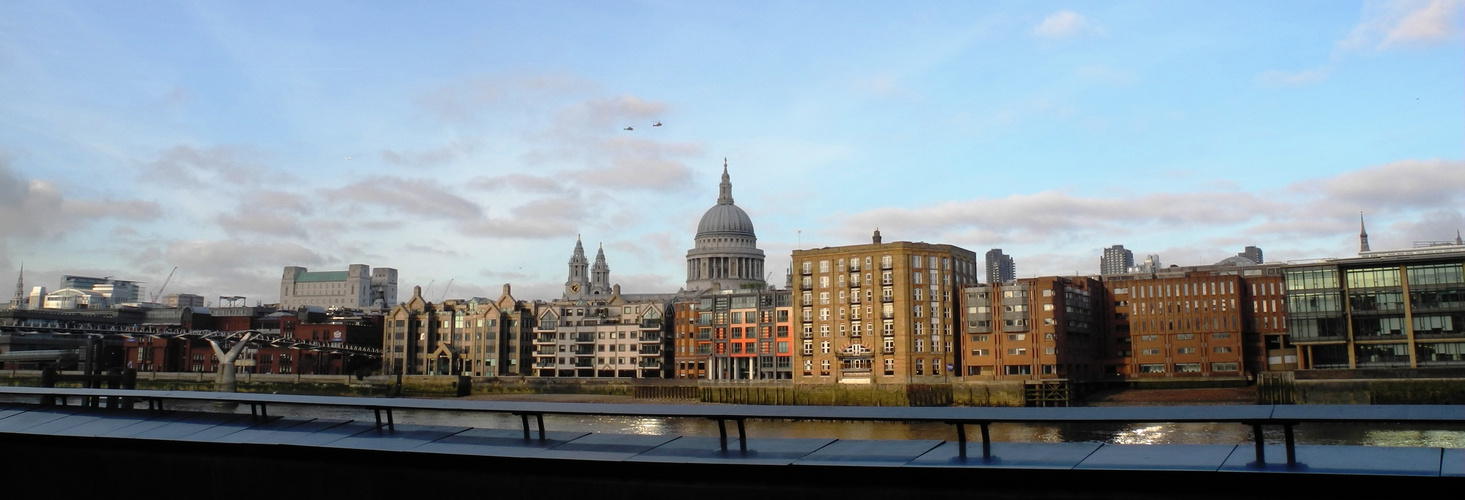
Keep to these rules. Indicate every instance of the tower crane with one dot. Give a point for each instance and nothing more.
(159, 293)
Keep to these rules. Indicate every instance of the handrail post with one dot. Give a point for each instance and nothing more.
(986, 441)
(742, 436)
(961, 439)
(1291, 444)
(722, 433)
(1256, 432)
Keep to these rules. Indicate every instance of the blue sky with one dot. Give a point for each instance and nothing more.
(474, 141)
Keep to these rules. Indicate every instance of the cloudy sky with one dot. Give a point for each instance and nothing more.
(473, 141)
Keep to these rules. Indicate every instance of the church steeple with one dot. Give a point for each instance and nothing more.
(18, 302)
(600, 274)
(724, 190)
(1362, 235)
(579, 279)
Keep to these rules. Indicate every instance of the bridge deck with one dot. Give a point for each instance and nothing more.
(212, 453)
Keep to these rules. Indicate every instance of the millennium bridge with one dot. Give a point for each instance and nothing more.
(74, 442)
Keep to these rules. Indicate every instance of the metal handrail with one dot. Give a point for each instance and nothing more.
(1255, 416)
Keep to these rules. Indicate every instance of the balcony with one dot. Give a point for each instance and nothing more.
(585, 337)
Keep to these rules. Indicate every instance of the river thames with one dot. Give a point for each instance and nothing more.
(1164, 433)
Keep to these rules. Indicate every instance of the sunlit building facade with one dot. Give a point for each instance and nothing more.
(879, 312)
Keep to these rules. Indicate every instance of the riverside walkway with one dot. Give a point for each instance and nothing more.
(227, 455)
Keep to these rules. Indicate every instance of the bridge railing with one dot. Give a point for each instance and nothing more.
(1257, 417)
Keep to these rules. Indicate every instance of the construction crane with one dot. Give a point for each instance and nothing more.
(159, 293)
(445, 290)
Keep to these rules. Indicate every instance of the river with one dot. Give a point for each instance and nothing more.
(1166, 433)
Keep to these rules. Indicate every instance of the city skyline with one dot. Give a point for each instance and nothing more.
(473, 143)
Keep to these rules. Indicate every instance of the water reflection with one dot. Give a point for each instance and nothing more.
(1140, 433)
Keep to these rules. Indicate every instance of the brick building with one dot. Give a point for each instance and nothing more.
(1033, 328)
(879, 312)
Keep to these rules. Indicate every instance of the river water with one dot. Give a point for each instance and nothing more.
(1167, 433)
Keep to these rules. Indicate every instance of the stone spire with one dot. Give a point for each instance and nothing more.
(600, 273)
(1458, 241)
(579, 278)
(1362, 235)
(18, 301)
(724, 190)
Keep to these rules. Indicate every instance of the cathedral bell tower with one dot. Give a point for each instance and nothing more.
(578, 284)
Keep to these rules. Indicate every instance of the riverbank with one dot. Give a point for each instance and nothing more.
(1173, 397)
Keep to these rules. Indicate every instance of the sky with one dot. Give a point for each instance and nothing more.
(468, 144)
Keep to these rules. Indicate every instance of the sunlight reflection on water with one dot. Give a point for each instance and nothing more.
(1140, 433)
(1144, 433)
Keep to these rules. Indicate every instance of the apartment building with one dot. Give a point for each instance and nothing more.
(1037, 328)
(879, 312)
(735, 335)
(611, 338)
(477, 337)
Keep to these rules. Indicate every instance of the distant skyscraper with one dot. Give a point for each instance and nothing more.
(116, 291)
(1150, 265)
(1253, 253)
(1000, 268)
(1116, 260)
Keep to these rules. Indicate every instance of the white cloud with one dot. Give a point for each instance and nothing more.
(422, 197)
(1435, 21)
(454, 150)
(209, 166)
(1292, 78)
(33, 209)
(1414, 199)
(1065, 24)
(1418, 184)
(1407, 23)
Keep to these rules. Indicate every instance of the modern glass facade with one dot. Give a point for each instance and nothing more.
(1394, 310)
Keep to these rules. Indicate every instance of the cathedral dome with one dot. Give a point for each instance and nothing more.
(725, 220)
(725, 255)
